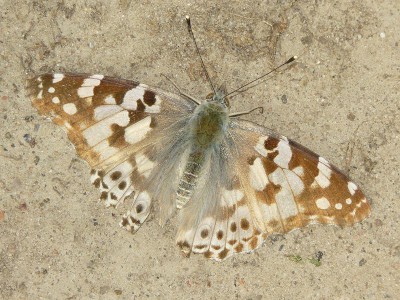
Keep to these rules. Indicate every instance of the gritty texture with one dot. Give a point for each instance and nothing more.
(340, 99)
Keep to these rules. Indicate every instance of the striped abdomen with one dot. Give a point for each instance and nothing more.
(189, 178)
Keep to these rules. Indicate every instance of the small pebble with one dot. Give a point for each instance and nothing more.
(362, 262)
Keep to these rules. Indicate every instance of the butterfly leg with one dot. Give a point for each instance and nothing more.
(241, 113)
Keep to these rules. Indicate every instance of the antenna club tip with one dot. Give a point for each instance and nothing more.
(292, 59)
(295, 57)
(187, 17)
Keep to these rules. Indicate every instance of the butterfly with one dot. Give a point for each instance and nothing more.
(231, 182)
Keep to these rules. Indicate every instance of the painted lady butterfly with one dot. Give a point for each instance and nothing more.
(232, 182)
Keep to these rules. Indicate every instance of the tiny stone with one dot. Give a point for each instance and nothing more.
(378, 222)
(118, 292)
(382, 35)
(318, 255)
(27, 137)
(351, 117)
(29, 118)
(23, 206)
(8, 135)
(284, 99)
(362, 262)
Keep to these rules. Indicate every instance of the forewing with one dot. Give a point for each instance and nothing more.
(292, 186)
(114, 125)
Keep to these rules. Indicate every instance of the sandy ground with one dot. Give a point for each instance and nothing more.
(340, 99)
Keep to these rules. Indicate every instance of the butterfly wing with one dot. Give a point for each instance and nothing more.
(280, 186)
(115, 125)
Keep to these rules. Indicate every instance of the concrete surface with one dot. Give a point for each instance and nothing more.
(340, 99)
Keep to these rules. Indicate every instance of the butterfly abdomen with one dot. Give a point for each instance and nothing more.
(208, 124)
(189, 178)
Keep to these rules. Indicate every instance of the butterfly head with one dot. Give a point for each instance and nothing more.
(219, 97)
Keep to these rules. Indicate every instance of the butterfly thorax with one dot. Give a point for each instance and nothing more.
(207, 128)
(208, 124)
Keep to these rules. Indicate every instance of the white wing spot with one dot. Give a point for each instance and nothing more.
(57, 77)
(258, 177)
(324, 169)
(323, 160)
(322, 179)
(131, 96)
(348, 201)
(103, 111)
(70, 108)
(97, 76)
(137, 131)
(322, 203)
(284, 198)
(296, 184)
(110, 100)
(338, 206)
(51, 90)
(102, 130)
(88, 85)
(40, 94)
(55, 100)
(85, 91)
(144, 165)
(260, 146)
(284, 155)
(299, 171)
(351, 187)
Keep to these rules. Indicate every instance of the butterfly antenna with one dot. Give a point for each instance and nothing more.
(293, 58)
(189, 24)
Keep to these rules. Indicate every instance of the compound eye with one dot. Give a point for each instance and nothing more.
(210, 96)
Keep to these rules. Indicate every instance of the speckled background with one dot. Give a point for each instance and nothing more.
(341, 99)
